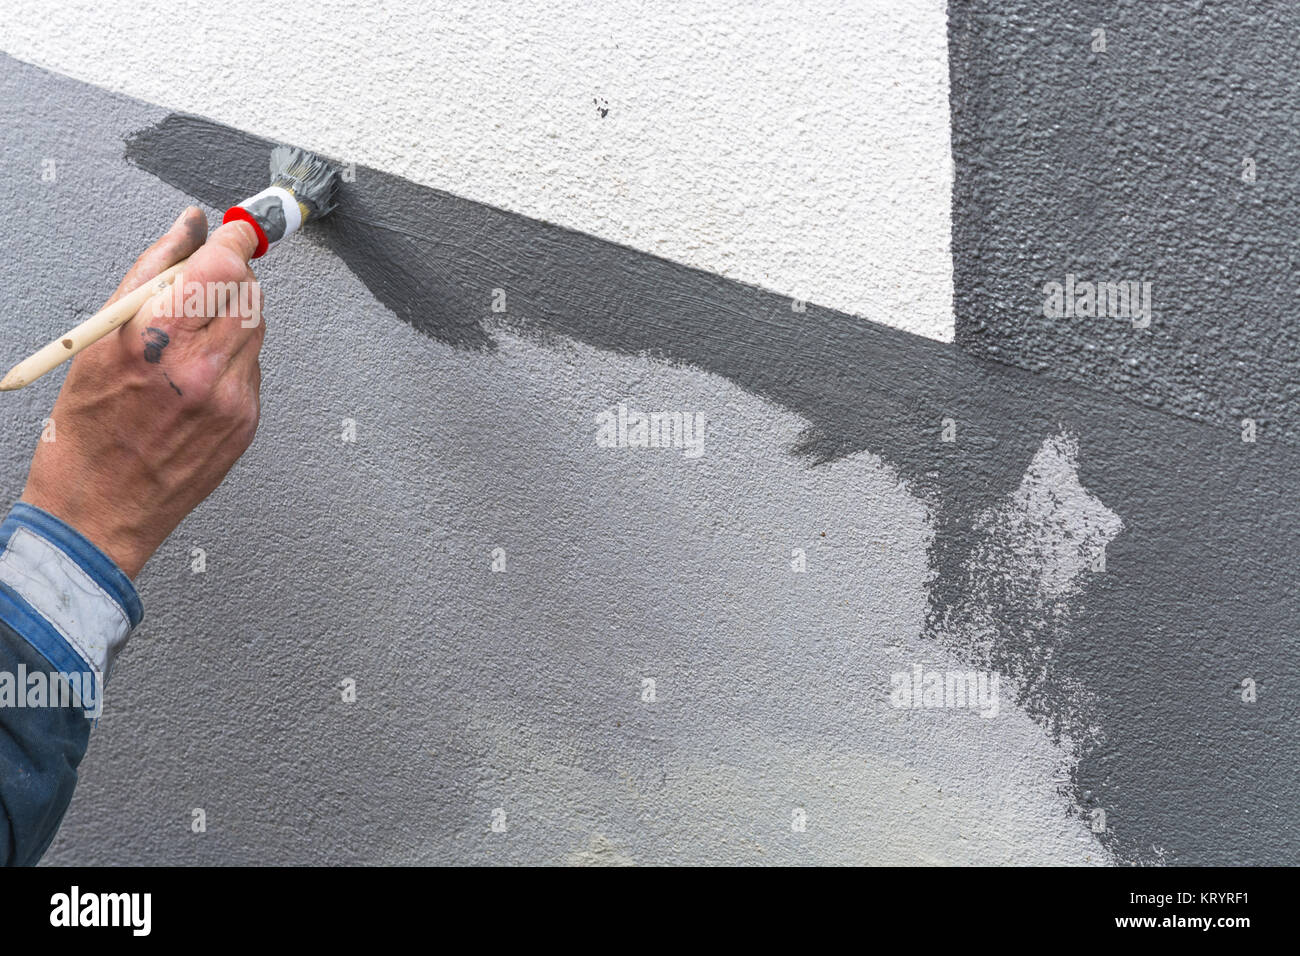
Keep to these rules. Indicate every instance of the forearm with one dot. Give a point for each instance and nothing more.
(65, 613)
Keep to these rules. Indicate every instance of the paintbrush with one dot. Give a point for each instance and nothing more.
(303, 186)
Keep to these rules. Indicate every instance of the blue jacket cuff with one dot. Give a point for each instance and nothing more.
(62, 594)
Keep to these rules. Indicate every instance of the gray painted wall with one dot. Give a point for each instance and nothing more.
(1170, 157)
(1156, 142)
(521, 690)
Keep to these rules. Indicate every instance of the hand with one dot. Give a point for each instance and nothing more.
(152, 417)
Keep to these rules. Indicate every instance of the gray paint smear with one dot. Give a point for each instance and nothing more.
(1127, 164)
(1038, 550)
(1197, 591)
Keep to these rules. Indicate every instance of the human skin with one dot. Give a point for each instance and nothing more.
(152, 417)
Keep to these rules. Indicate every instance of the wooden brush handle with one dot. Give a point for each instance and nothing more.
(87, 333)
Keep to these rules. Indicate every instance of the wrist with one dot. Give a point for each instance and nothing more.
(120, 544)
(65, 597)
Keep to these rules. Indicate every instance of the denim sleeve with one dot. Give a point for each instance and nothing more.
(65, 612)
(40, 748)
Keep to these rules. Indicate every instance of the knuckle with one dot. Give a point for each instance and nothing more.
(230, 398)
(196, 392)
(200, 386)
(155, 332)
(246, 417)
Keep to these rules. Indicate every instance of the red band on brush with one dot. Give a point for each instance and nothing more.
(240, 214)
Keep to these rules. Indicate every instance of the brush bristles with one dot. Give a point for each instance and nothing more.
(313, 181)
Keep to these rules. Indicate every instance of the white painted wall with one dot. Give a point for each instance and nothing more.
(803, 147)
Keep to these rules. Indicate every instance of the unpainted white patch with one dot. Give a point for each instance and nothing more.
(1059, 528)
(1038, 550)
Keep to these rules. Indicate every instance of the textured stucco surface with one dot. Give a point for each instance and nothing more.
(802, 147)
(1131, 164)
(518, 690)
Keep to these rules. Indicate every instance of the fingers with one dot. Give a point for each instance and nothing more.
(237, 326)
(184, 237)
(238, 236)
(215, 293)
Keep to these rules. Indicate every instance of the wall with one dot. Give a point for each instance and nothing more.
(638, 267)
